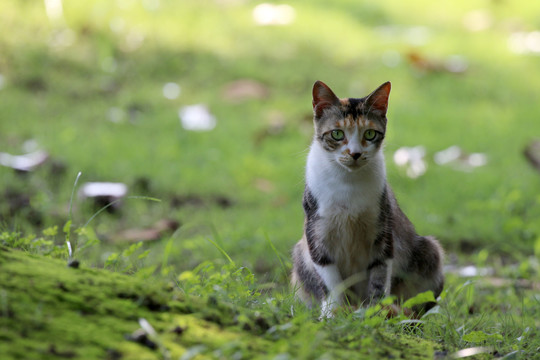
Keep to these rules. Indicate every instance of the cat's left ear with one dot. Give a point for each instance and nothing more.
(377, 101)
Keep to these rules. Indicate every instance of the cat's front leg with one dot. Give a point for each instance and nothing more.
(334, 297)
(380, 276)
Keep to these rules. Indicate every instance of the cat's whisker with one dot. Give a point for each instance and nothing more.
(303, 152)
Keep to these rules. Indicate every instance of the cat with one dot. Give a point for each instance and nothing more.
(358, 246)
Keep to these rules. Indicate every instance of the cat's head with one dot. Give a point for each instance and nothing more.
(351, 130)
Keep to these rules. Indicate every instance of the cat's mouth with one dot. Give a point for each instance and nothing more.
(352, 164)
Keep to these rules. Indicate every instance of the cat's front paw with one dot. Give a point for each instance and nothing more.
(328, 308)
(332, 306)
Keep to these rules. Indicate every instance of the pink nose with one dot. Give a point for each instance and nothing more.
(355, 156)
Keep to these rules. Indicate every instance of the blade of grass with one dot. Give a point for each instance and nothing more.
(221, 250)
(73, 194)
(116, 201)
(67, 226)
(285, 271)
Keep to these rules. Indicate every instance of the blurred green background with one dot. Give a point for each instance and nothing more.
(100, 87)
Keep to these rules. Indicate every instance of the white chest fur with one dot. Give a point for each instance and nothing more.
(338, 190)
(348, 207)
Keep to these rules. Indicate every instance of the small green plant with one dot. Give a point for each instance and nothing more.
(230, 282)
(44, 245)
(129, 260)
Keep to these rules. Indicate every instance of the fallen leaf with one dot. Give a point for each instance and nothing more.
(455, 64)
(244, 89)
(26, 162)
(156, 232)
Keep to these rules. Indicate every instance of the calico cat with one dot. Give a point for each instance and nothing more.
(358, 246)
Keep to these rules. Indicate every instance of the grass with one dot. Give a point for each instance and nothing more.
(221, 311)
(88, 313)
(237, 190)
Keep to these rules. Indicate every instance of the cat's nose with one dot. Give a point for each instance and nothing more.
(355, 156)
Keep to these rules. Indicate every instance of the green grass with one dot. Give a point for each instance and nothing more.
(60, 93)
(88, 313)
(222, 312)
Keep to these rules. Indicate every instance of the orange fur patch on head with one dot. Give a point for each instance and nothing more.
(344, 102)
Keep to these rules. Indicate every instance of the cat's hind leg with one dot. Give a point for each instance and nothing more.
(423, 273)
(428, 257)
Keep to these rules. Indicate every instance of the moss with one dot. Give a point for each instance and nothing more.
(51, 311)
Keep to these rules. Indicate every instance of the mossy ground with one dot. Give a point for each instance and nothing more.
(51, 311)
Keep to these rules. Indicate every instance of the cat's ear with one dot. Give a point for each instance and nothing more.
(377, 101)
(323, 97)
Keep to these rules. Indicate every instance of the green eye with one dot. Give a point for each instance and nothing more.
(337, 135)
(370, 134)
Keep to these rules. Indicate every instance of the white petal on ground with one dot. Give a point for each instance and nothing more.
(26, 162)
(103, 189)
(197, 118)
(412, 159)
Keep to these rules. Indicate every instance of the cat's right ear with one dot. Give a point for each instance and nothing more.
(323, 97)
